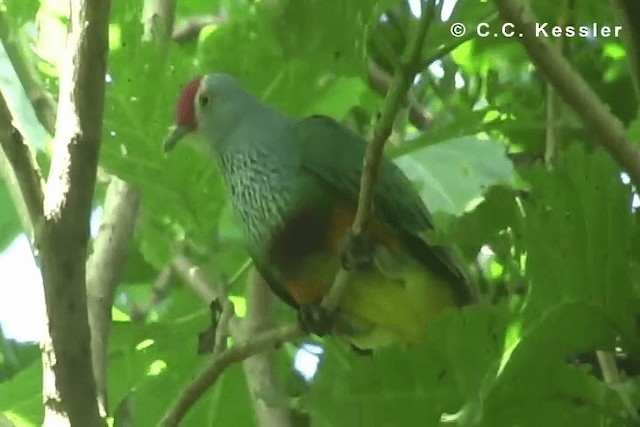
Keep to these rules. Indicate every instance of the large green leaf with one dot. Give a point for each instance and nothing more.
(289, 62)
(578, 237)
(410, 386)
(452, 176)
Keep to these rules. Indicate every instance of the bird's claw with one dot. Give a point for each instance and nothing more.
(315, 319)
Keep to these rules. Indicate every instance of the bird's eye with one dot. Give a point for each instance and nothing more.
(203, 100)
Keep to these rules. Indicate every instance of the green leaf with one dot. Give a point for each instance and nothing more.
(453, 176)
(535, 377)
(415, 385)
(22, 396)
(10, 225)
(290, 63)
(21, 12)
(150, 366)
(498, 211)
(577, 235)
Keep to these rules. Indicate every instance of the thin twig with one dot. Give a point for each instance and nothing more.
(408, 67)
(194, 277)
(208, 292)
(381, 81)
(24, 166)
(243, 269)
(159, 291)
(237, 353)
(42, 101)
(247, 345)
(551, 137)
(190, 28)
(450, 47)
(609, 131)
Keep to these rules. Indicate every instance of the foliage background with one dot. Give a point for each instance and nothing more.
(552, 244)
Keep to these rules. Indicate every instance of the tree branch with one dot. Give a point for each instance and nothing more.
(42, 101)
(381, 81)
(554, 110)
(192, 274)
(158, 17)
(260, 368)
(112, 244)
(63, 238)
(246, 345)
(104, 268)
(629, 16)
(23, 164)
(159, 291)
(408, 67)
(190, 28)
(572, 87)
(258, 343)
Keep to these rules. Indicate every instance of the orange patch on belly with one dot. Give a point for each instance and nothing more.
(341, 219)
(306, 291)
(316, 276)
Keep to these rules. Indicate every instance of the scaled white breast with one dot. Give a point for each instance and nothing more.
(261, 191)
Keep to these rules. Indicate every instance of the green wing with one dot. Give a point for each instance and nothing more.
(335, 154)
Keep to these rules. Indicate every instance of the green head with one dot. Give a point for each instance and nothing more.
(213, 106)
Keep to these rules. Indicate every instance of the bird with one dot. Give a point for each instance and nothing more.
(293, 184)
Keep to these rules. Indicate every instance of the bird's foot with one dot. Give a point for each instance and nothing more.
(315, 319)
(356, 253)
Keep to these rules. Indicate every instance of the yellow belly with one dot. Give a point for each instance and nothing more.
(393, 302)
(384, 310)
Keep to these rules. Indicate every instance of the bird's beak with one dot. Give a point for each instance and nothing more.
(174, 136)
